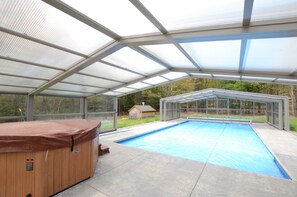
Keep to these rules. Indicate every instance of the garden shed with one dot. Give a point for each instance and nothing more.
(141, 111)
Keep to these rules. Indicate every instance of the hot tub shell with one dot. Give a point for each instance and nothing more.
(35, 169)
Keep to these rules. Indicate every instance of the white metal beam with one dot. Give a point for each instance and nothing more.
(247, 13)
(216, 33)
(81, 17)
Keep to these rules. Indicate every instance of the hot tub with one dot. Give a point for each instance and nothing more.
(41, 158)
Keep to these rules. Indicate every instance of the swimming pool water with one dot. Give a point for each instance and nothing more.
(231, 145)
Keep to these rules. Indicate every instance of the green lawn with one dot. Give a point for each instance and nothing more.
(293, 124)
(124, 121)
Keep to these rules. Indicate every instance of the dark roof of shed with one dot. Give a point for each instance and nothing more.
(143, 108)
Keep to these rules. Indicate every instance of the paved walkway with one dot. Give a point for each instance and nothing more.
(129, 171)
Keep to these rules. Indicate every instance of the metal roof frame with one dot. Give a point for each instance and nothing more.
(282, 28)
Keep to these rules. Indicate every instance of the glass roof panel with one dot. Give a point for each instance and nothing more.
(14, 89)
(155, 80)
(19, 48)
(272, 55)
(63, 93)
(16, 68)
(124, 90)
(216, 54)
(103, 70)
(8, 80)
(40, 20)
(169, 54)
(174, 75)
(274, 9)
(138, 85)
(119, 16)
(176, 15)
(64, 86)
(112, 93)
(86, 80)
(128, 58)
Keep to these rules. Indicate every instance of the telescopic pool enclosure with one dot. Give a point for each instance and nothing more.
(227, 104)
(88, 49)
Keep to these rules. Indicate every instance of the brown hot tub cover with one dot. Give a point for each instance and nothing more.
(46, 135)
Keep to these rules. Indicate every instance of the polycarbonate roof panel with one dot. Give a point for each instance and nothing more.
(175, 15)
(128, 58)
(119, 16)
(112, 93)
(124, 90)
(138, 85)
(16, 68)
(169, 54)
(86, 80)
(15, 89)
(64, 86)
(40, 20)
(174, 75)
(104, 70)
(155, 80)
(221, 55)
(19, 48)
(272, 55)
(63, 93)
(274, 9)
(8, 80)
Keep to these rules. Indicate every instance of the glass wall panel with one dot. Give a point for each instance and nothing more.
(10, 107)
(47, 107)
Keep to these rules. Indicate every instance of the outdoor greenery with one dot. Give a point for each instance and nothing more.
(124, 121)
(10, 104)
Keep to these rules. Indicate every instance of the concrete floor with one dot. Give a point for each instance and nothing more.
(129, 171)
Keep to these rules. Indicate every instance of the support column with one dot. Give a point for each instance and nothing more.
(228, 107)
(165, 111)
(206, 107)
(240, 108)
(272, 113)
(217, 105)
(286, 115)
(187, 109)
(30, 107)
(84, 107)
(115, 111)
(254, 110)
(280, 115)
(196, 106)
(161, 110)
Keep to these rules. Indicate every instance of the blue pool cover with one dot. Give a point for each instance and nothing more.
(231, 145)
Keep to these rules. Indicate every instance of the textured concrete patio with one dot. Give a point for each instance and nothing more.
(128, 171)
